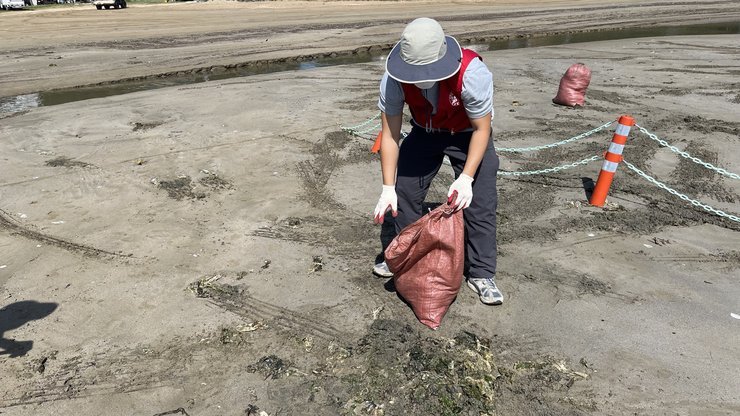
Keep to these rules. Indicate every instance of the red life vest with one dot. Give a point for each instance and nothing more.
(451, 113)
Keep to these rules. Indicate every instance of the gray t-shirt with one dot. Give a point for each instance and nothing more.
(477, 92)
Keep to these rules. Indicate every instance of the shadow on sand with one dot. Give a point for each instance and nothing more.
(16, 315)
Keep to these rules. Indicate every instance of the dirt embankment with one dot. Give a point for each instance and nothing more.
(74, 46)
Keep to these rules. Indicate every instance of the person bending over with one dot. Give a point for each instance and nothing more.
(449, 91)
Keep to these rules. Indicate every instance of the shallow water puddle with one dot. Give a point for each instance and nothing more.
(24, 102)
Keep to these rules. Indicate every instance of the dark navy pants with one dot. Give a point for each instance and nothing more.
(420, 159)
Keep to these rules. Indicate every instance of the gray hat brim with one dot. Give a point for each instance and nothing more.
(441, 69)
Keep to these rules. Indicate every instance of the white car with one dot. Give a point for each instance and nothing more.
(12, 4)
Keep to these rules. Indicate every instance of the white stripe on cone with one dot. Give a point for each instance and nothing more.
(622, 130)
(609, 166)
(616, 148)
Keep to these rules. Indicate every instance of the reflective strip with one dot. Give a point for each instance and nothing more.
(616, 148)
(609, 166)
(622, 130)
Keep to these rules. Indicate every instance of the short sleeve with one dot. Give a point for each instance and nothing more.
(391, 96)
(477, 91)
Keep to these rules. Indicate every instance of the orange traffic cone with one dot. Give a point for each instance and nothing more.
(611, 160)
(376, 145)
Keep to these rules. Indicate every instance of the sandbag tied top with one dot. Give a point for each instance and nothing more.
(573, 85)
(427, 260)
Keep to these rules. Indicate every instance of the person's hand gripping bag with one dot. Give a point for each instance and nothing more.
(427, 260)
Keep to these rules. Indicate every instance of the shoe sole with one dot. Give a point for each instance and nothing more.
(493, 303)
(383, 275)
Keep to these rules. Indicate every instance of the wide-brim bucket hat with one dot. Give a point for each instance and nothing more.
(424, 54)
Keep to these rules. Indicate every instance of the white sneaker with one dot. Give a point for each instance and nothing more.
(381, 270)
(486, 290)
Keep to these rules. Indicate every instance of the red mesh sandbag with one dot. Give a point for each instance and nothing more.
(573, 84)
(427, 260)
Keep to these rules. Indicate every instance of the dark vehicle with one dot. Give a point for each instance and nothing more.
(116, 4)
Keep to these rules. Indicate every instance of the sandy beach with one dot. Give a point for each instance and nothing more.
(206, 249)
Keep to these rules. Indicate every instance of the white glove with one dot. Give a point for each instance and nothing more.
(460, 194)
(388, 200)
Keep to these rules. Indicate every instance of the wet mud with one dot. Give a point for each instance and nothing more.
(140, 126)
(183, 187)
(702, 125)
(659, 213)
(695, 180)
(519, 198)
(315, 173)
(568, 284)
(64, 161)
(521, 201)
(180, 188)
(271, 367)
(214, 182)
(391, 369)
(397, 370)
